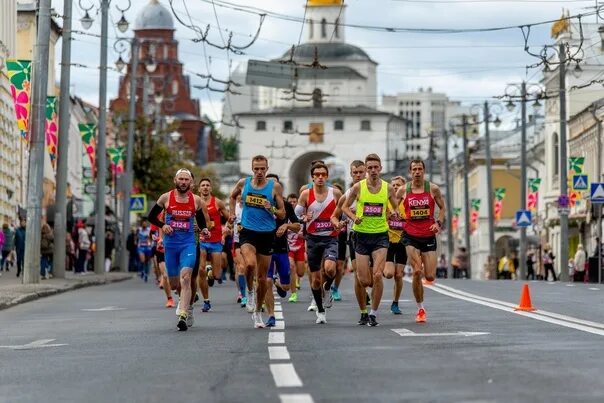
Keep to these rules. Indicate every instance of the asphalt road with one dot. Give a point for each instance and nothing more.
(127, 349)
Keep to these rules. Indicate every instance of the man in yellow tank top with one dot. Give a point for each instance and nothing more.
(396, 258)
(371, 230)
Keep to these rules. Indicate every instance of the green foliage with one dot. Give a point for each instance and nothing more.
(229, 147)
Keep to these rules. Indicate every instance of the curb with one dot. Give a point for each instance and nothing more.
(47, 293)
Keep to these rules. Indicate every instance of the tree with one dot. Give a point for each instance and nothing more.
(229, 147)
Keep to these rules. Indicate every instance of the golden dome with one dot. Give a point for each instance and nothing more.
(324, 3)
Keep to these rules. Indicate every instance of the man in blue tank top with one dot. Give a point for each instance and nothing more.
(262, 202)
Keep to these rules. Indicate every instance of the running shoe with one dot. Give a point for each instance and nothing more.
(250, 305)
(271, 321)
(190, 318)
(321, 318)
(258, 322)
(243, 302)
(282, 293)
(210, 275)
(421, 316)
(372, 321)
(293, 297)
(336, 294)
(312, 307)
(364, 319)
(427, 282)
(239, 298)
(207, 307)
(395, 309)
(170, 303)
(182, 322)
(328, 299)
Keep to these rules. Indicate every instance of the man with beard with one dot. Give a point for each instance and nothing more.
(210, 246)
(181, 207)
(262, 202)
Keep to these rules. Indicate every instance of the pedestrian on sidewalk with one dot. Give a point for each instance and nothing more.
(9, 245)
(530, 265)
(109, 246)
(83, 248)
(46, 251)
(70, 252)
(1, 247)
(441, 267)
(580, 260)
(20, 245)
(548, 262)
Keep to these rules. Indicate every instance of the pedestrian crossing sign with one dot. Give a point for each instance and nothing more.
(138, 203)
(580, 182)
(524, 218)
(597, 193)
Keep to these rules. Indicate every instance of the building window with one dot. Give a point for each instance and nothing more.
(323, 28)
(260, 126)
(556, 154)
(365, 125)
(174, 87)
(288, 126)
(338, 125)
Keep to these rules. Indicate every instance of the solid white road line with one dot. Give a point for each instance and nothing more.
(279, 325)
(501, 306)
(285, 375)
(278, 315)
(278, 353)
(276, 338)
(594, 289)
(297, 398)
(409, 333)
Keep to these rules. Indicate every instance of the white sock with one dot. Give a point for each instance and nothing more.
(372, 312)
(420, 305)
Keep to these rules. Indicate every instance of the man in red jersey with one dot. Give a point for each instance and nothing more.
(419, 200)
(210, 246)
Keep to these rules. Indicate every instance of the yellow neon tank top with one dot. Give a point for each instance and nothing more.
(372, 208)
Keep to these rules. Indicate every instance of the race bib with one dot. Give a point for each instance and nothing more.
(396, 225)
(255, 200)
(180, 225)
(323, 225)
(420, 213)
(373, 209)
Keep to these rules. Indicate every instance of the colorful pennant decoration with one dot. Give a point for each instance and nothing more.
(88, 133)
(19, 75)
(51, 130)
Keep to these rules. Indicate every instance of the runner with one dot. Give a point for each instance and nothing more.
(315, 207)
(396, 257)
(341, 262)
(262, 201)
(181, 207)
(143, 247)
(357, 173)
(210, 246)
(161, 264)
(280, 260)
(239, 263)
(419, 199)
(297, 253)
(371, 230)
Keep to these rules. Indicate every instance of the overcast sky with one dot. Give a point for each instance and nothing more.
(469, 67)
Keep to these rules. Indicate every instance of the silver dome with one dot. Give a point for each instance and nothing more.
(154, 16)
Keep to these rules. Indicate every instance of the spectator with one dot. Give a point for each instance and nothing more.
(83, 248)
(9, 245)
(70, 252)
(463, 260)
(530, 265)
(46, 251)
(20, 246)
(505, 268)
(580, 261)
(1, 247)
(132, 250)
(441, 266)
(109, 246)
(548, 262)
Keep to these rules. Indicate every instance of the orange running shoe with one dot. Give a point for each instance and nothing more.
(170, 303)
(421, 316)
(427, 282)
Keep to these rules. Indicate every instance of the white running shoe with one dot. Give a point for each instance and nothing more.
(313, 306)
(258, 321)
(321, 318)
(190, 318)
(250, 307)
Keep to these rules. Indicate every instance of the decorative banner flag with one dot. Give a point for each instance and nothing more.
(19, 74)
(474, 214)
(88, 133)
(116, 157)
(455, 219)
(499, 196)
(51, 130)
(533, 195)
(576, 164)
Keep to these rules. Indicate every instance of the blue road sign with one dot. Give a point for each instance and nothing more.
(524, 218)
(563, 201)
(580, 182)
(597, 193)
(138, 203)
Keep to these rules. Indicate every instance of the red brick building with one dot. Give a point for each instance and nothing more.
(166, 83)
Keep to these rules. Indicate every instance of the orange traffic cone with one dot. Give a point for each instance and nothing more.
(525, 303)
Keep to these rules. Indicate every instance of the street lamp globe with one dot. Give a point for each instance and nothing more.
(497, 122)
(150, 65)
(175, 136)
(577, 71)
(159, 98)
(601, 32)
(510, 106)
(120, 64)
(86, 21)
(123, 24)
(536, 104)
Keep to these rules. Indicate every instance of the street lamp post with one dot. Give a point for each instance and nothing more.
(449, 187)
(466, 191)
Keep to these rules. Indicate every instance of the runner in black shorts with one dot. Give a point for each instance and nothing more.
(396, 258)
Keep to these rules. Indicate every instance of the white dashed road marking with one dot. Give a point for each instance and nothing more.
(278, 353)
(285, 375)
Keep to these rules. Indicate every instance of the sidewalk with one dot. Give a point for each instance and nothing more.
(12, 292)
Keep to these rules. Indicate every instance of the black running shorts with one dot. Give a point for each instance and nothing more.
(397, 253)
(262, 241)
(421, 244)
(366, 244)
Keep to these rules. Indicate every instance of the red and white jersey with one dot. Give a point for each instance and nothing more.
(295, 240)
(319, 213)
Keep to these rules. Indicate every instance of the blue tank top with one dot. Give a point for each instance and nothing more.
(254, 216)
(144, 237)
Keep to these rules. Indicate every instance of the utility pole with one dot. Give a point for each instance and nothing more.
(31, 270)
(563, 253)
(523, 180)
(466, 191)
(101, 156)
(487, 137)
(63, 147)
(599, 209)
(449, 188)
(129, 154)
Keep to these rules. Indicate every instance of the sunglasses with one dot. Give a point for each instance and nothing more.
(320, 175)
